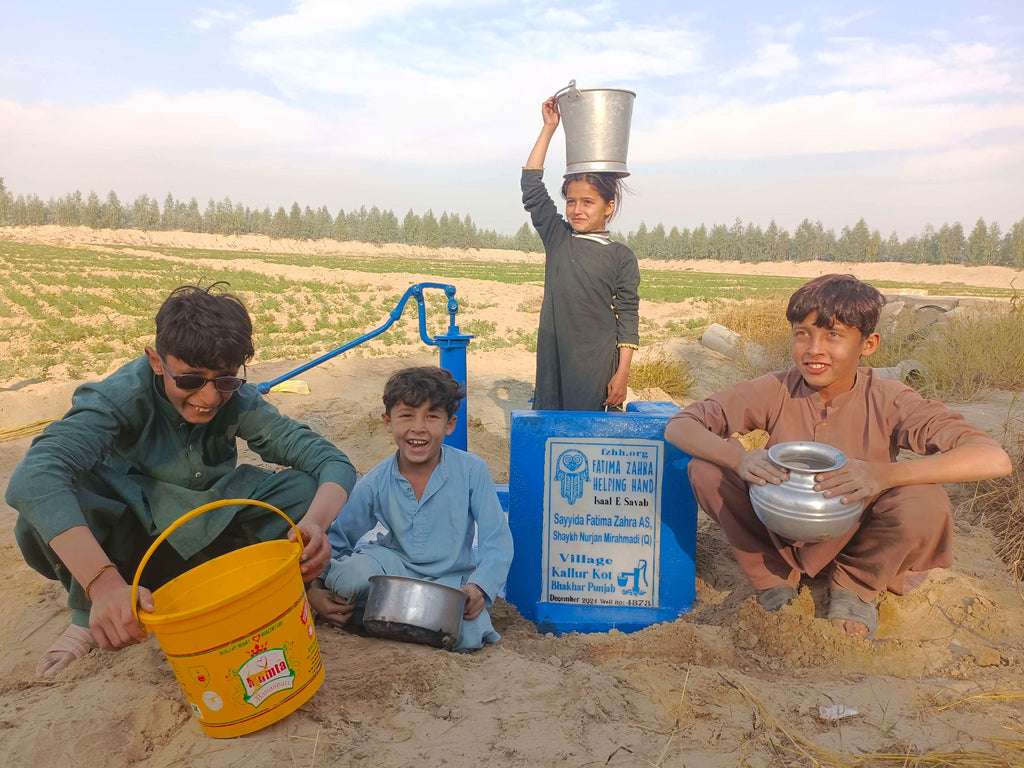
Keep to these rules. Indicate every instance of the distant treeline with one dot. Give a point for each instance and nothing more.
(949, 244)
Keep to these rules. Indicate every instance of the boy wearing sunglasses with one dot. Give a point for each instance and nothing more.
(147, 444)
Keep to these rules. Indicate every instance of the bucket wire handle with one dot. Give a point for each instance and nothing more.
(571, 92)
(189, 516)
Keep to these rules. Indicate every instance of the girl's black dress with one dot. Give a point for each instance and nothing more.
(590, 307)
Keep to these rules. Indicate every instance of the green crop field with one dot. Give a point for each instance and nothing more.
(79, 312)
(657, 285)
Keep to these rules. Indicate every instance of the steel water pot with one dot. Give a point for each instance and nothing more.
(793, 509)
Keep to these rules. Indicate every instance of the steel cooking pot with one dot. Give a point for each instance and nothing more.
(414, 610)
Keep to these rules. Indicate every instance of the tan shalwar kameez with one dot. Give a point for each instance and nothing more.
(904, 532)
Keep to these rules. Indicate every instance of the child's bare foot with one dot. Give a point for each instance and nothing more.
(73, 643)
(851, 615)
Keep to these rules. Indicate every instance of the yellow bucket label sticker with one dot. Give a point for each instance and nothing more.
(265, 674)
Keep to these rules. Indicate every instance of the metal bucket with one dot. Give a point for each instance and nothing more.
(596, 123)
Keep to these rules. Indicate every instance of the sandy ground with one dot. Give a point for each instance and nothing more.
(724, 685)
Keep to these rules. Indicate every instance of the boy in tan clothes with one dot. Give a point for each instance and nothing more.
(826, 397)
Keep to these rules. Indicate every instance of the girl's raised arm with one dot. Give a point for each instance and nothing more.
(549, 111)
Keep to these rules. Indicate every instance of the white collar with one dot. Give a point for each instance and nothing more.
(597, 237)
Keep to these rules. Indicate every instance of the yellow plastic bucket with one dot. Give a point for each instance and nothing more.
(237, 631)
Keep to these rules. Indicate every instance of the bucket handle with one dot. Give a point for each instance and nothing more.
(184, 519)
(571, 92)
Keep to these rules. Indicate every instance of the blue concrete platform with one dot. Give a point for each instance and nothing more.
(603, 518)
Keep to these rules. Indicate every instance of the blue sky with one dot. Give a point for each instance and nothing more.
(903, 112)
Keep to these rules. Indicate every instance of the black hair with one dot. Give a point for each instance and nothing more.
(204, 328)
(841, 298)
(608, 185)
(423, 384)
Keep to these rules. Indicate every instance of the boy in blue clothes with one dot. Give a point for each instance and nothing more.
(429, 497)
(147, 444)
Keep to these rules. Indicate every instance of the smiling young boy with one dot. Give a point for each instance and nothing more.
(826, 397)
(147, 444)
(430, 498)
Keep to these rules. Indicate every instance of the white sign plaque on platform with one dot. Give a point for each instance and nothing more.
(602, 518)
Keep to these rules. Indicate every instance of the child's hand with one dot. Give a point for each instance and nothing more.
(332, 608)
(549, 111)
(111, 620)
(757, 469)
(475, 604)
(855, 480)
(617, 389)
(316, 550)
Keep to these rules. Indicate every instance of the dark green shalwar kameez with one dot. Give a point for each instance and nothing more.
(126, 464)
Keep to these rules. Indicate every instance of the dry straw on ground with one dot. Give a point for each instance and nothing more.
(999, 506)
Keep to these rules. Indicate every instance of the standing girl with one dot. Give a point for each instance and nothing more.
(589, 319)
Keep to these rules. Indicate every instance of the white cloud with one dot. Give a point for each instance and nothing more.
(613, 55)
(770, 62)
(436, 89)
(773, 57)
(788, 32)
(839, 122)
(319, 18)
(209, 18)
(975, 53)
(912, 74)
(155, 120)
(415, 97)
(831, 23)
(565, 19)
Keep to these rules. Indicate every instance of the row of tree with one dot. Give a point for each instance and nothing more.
(224, 217)
(985, 245)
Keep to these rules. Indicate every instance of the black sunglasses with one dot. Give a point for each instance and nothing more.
(192, 382)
